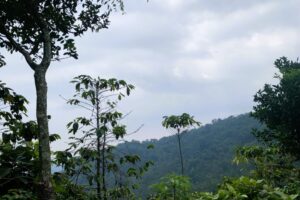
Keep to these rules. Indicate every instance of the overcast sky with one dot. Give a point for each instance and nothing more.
(204, 57)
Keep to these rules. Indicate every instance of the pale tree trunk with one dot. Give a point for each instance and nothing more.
(46, 192)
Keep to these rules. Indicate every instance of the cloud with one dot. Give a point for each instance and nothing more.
(207, 58)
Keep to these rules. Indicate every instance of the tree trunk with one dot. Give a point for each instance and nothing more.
(46, 190)
(174, 192)
(98, 168)
(98, 160)
(180, 153)
(103, 168)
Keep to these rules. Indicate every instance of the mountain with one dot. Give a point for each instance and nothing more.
(208, 152)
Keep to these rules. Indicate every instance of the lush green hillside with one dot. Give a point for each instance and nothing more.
(208, 152)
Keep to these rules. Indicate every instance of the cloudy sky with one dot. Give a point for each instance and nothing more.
(204, 57)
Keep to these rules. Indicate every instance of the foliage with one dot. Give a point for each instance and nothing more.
(91, 154)
(44, 31)
(172, 187)
(18, 152)
(178, 187)
(26, 24)
(209, 151)
(18, 194)
(245, 188)
(18, 159)
(15, 102)
(19, 165)
(275, 174)
(271, 165)
(278, 106)
(66, 190)
(178, 123)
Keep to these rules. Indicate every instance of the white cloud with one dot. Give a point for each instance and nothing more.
(203, 57)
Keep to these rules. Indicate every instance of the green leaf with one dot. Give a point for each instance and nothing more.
(150, 146)
(4, 172)
(75, 127)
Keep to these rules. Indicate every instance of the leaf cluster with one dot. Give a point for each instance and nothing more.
(278, 107)
(25, 24)
(180, 121)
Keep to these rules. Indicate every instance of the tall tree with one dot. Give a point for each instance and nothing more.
(43, 31)
(96, 96)
(278, 107)
(94, 156)
(179, 123)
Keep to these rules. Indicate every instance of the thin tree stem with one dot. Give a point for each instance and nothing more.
(180, 151)
(98, 148)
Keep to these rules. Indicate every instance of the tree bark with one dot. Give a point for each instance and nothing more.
(46, 190)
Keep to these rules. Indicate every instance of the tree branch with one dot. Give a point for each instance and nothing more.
(19, 48)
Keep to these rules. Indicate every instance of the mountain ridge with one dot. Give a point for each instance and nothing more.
(208, 152)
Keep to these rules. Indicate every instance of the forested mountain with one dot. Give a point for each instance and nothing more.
(208, 152)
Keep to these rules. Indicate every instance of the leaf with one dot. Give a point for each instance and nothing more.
(128, 91)
(54, 137)
(4, 172)
(75, 127)
(150, 146)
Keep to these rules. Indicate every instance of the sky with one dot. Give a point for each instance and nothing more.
(204, 57)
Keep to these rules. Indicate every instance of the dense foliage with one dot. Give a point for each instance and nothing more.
(172, 187)
(18, 152)
(27, 26)
(43, 31)
(278, 106)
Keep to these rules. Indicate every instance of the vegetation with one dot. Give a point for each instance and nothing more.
(172, 187)
(19, 164)
(179, 123)
(17, 160)
(43, 31)
(276, 175)
(91, 154)
(208, 150)
(278, 106)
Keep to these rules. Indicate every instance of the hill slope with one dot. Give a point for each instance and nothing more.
(208, 152)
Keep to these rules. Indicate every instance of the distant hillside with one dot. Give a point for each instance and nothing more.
(208, 152)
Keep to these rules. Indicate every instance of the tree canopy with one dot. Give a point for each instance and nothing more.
(278, 106)
(34, 27)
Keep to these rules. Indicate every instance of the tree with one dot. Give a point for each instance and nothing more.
(179, 123)
(278, 107)
(16, 156)
(18, 147)
(172, 187)
(44, 31)
(245, 188)
(276, 168)
(92, 149)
